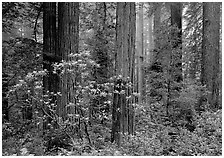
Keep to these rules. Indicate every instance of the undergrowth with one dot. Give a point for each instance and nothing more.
(154, 139)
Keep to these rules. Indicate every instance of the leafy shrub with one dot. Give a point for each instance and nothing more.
(184, 108)
(206, 139)
(156, 139)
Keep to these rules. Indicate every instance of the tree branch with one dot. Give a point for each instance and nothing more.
(35, 25)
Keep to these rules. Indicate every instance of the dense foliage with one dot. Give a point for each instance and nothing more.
(174, 119)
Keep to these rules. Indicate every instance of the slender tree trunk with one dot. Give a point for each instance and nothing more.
(151, 42)
(140, 54)
(193, 64)
(149, 54)
(123, 112)
(157, 21)
(176, 20)
(210, 51)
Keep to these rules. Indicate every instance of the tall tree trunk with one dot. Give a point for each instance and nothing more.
(210, 51)
(149, 53)
(123, 110)
(176, 20)
(140, 54)
(50, 81)
(157, 21)
(193, 64)
(151, 42)
(68, 28)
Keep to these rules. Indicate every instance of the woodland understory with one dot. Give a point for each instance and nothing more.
(111, 79)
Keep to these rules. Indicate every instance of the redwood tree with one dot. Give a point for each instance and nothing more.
(140, 53)
(210, 51)
(123, 112)
(50, 81)
(68, 32)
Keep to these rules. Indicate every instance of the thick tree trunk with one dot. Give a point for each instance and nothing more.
(49, 42)
(68, 29)
(210, 51)
(50, 81)
(123, 110)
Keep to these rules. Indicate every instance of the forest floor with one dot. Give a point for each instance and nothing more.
(149, 139)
